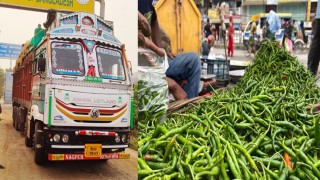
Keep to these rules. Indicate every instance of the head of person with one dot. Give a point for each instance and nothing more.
(208, 20)
(301, 24)
(211, 40)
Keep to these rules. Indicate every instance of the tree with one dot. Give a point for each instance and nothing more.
(2, 79)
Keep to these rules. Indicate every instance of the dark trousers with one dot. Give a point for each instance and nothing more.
(314, 52)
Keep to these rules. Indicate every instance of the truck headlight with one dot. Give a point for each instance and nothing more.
(117, 138)
(56, 138)
(124, 138)
(65, 138)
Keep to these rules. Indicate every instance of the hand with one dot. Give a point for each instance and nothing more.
(148, 59)
(149, 44)
(171, 55)
(176, 90)
(143, 25)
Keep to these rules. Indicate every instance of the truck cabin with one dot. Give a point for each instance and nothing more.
(82, 46)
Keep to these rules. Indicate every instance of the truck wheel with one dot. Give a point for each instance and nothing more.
(39, 157)
(22, 119)
(14, 112)
(17, 121)
(16, 116)
(27, 141)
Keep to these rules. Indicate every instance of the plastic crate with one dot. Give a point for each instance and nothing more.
(218, 67)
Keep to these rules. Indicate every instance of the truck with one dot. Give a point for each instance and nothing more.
(72, 90)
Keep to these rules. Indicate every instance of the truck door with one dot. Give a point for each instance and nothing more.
(38, 88)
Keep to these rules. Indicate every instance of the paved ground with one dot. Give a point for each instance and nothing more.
(240, 54)
(16, 160)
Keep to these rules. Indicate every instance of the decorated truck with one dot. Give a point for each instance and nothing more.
(72, 90)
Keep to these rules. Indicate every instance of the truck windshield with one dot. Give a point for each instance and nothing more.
(110, 64)
(67, 59)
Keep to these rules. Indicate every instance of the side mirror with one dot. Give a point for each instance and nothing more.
(41, 64)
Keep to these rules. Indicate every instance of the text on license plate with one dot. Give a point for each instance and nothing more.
(92, 150)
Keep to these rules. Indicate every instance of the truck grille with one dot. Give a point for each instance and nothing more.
(88, 114)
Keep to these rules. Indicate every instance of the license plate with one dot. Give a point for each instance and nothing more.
(124, 156)
(93, 150)
(57, 157)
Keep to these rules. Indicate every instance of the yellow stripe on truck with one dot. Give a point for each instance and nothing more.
(88, 118)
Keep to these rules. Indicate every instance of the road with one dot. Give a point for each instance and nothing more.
(241, 56)
(16, 160)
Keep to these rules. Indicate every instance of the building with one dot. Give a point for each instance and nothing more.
(298, 8)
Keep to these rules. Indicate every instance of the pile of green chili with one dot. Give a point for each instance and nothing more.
(153, 100)
(264, 127)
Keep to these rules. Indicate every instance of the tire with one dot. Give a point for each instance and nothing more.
(14, 112)
(39, 155)
(22, 120)
(16, 119)
(28, 141)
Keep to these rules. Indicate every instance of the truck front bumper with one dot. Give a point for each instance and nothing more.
(65, 157)
(86, 144)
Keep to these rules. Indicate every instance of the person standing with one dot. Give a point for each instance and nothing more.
(294, 30)
(207, 28)
(314, 53)
(304, 36)
(230, 37)
(288, 29)
(253, 29)
(214, 31)
(287, 41)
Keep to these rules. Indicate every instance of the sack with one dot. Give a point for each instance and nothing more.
(153, 92)
(274, 21)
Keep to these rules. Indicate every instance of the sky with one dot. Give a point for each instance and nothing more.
(17, 26)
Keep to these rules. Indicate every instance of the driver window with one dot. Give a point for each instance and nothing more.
(35, 63)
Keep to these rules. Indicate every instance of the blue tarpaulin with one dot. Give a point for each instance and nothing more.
(274, 21)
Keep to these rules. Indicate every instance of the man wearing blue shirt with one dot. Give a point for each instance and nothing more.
(314, 53)
(184, 67)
